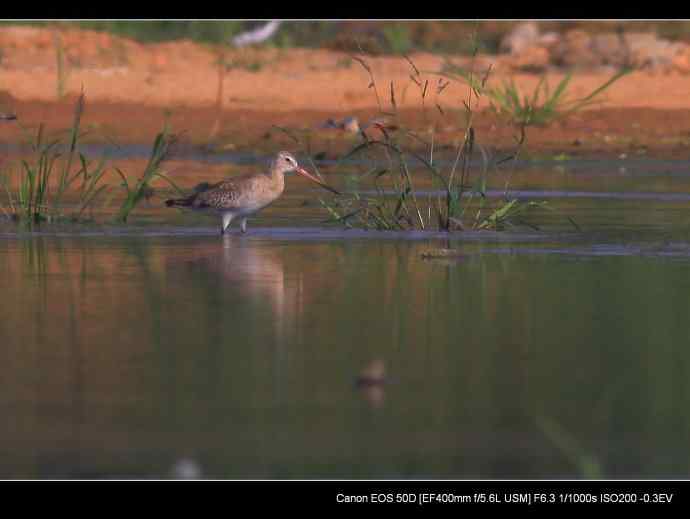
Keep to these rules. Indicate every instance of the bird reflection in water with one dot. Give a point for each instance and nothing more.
(247, 270)
(243, 294)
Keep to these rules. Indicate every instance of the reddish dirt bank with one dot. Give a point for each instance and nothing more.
(183, 73)
(132, 89)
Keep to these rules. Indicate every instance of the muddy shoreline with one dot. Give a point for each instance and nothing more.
(607, 132)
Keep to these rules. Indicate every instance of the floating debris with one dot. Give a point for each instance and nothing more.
(442, 253)
(371, 381)
(372, 374)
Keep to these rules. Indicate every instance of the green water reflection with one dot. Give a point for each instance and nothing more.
(121, 356)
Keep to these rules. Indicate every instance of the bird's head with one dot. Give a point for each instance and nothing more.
(285, 162)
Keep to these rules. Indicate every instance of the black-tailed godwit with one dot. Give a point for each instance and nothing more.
(241, 197)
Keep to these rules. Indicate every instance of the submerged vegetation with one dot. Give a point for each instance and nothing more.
(59, 184)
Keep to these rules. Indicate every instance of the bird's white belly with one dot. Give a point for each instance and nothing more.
(243, 211)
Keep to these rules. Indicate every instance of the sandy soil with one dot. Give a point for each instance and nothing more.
(132, 89)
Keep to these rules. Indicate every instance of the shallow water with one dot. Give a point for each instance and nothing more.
(123, 355)
(162, 349)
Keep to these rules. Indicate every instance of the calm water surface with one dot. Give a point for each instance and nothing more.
(532, 354)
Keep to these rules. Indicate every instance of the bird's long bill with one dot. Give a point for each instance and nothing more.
(311, 177)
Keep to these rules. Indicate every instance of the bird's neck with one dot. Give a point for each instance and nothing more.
(278, 178)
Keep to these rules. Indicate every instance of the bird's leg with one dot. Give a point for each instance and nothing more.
(227, 218)
(243, 225)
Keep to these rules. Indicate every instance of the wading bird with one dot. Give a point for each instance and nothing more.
(241, 197)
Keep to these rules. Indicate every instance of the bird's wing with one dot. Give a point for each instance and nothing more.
(228, 194)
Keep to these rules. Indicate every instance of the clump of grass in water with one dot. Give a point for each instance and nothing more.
(449, 209)
(461, 202)
(162, 147)
(35, 200)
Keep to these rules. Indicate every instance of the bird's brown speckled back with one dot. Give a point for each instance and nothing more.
(241, 192)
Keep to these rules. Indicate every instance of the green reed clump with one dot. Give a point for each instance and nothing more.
(58, 171)
(162, 147)
(541, 107)
(458, 199)
(36, 199)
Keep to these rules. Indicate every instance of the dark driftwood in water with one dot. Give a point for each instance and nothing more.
(442, 253)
